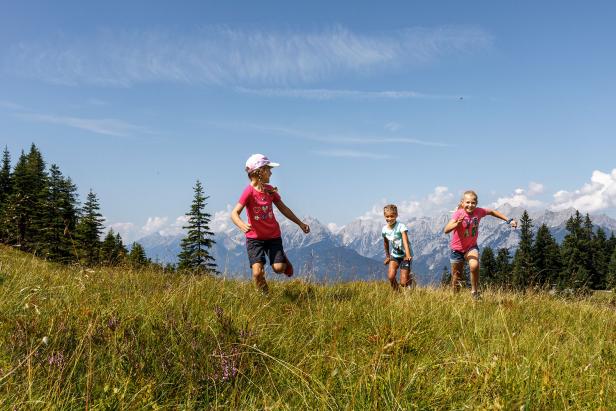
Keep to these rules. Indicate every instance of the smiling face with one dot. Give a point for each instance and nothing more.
(469, 203)
(390, 218)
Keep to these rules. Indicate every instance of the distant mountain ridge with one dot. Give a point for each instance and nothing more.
(355, 252)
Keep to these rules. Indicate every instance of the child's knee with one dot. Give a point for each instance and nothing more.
(278, 267)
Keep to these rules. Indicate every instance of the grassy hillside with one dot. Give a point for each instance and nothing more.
(120, 339)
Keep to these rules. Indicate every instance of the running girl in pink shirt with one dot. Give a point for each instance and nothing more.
(465, 226)
(263, 235)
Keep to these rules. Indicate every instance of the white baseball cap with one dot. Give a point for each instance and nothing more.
(256, 161)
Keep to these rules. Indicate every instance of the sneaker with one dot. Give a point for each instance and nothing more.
(476, 295)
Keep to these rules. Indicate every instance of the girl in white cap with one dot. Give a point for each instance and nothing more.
(263, 234)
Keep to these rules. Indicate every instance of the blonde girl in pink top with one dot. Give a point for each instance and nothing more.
(465, 226)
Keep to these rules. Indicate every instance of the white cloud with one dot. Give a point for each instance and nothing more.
(352, 154)
(221, 221)
(110, 127)
(522, 197)
(153, 225)
(334, 228)
(225, 56)
(437, 201)
(597, 195)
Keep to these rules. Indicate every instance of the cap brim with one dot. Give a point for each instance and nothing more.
(271, 164)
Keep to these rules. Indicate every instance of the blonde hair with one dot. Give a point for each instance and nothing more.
(467, 192)
(390, 208)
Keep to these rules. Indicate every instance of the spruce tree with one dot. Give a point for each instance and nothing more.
(195, 254)
(574, 256)
(503, 268)
(5, 192)
(137, 257)
(610, 281)
(89, 230)
(523, 267)
(487, 266)
(546, 258)
(57, 216)
(601, 259)
(5, 177)
(18, 206)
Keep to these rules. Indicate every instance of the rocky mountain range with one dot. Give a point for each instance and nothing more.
(355, 252)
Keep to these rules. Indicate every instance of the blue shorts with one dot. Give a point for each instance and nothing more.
(458, 256)
(258, 249)
(402, 263)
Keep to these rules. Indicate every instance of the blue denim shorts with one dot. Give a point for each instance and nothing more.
(402, 263)
(458, 256)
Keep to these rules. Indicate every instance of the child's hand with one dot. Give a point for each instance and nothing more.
(387, 260)
(459, 220)
(514, 224)
(305, 228)
(244, 227)
(408, 258)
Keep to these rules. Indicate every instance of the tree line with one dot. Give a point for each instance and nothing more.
(585, 260)
(40, 213)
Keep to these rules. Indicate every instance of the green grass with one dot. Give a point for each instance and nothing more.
(122, 339)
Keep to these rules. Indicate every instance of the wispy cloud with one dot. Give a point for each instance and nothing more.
(329, 138)
(436, 202)
(11, 106)
(227, 56)
(330, 94)
(522, 197)
(110, 127)
(351, 154)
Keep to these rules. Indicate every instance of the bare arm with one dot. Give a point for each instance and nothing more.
(500, 215)
(452, 224)
(286, 211)
(387, 255)
(407, 246)
(237, 220)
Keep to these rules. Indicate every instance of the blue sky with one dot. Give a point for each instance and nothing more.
(404, 102)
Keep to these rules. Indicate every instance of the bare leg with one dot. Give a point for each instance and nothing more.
(473, 264)
(258, 273)
(405, 278)
(456, 276)
(279, 267)
(391, 274)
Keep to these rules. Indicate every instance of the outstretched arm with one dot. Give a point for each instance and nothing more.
(237, 220)
(500, 215)
(286, 211)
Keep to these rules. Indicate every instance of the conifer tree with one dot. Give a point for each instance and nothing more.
(503, 268)
(89, 230)
(57, 217)
(487, 266)
(195, 254)
(574, 274)
(601, 259)
(523, 267)
(5, 177)
(5, 192)
(18, 206)
(546, 257)
(610, 281)
(137, 257)
(113, 251)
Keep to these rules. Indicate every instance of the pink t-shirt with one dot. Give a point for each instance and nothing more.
(465, 234)
(260, 212)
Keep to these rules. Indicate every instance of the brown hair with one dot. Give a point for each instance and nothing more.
(467, 192)
(390, 208)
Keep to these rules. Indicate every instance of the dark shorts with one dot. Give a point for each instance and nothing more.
(458, 256)
(257, 249)
(402, 263)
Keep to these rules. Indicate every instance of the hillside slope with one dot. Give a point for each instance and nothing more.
(73, 338)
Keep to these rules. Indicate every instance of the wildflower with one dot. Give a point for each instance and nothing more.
(56, 359)
(113, 323)
(45, 340)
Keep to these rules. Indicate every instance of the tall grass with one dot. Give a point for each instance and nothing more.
(121, 339)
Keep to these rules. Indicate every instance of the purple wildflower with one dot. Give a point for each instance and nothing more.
(56, 359)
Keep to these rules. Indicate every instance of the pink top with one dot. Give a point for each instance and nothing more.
(465, 235)
(260, 212)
